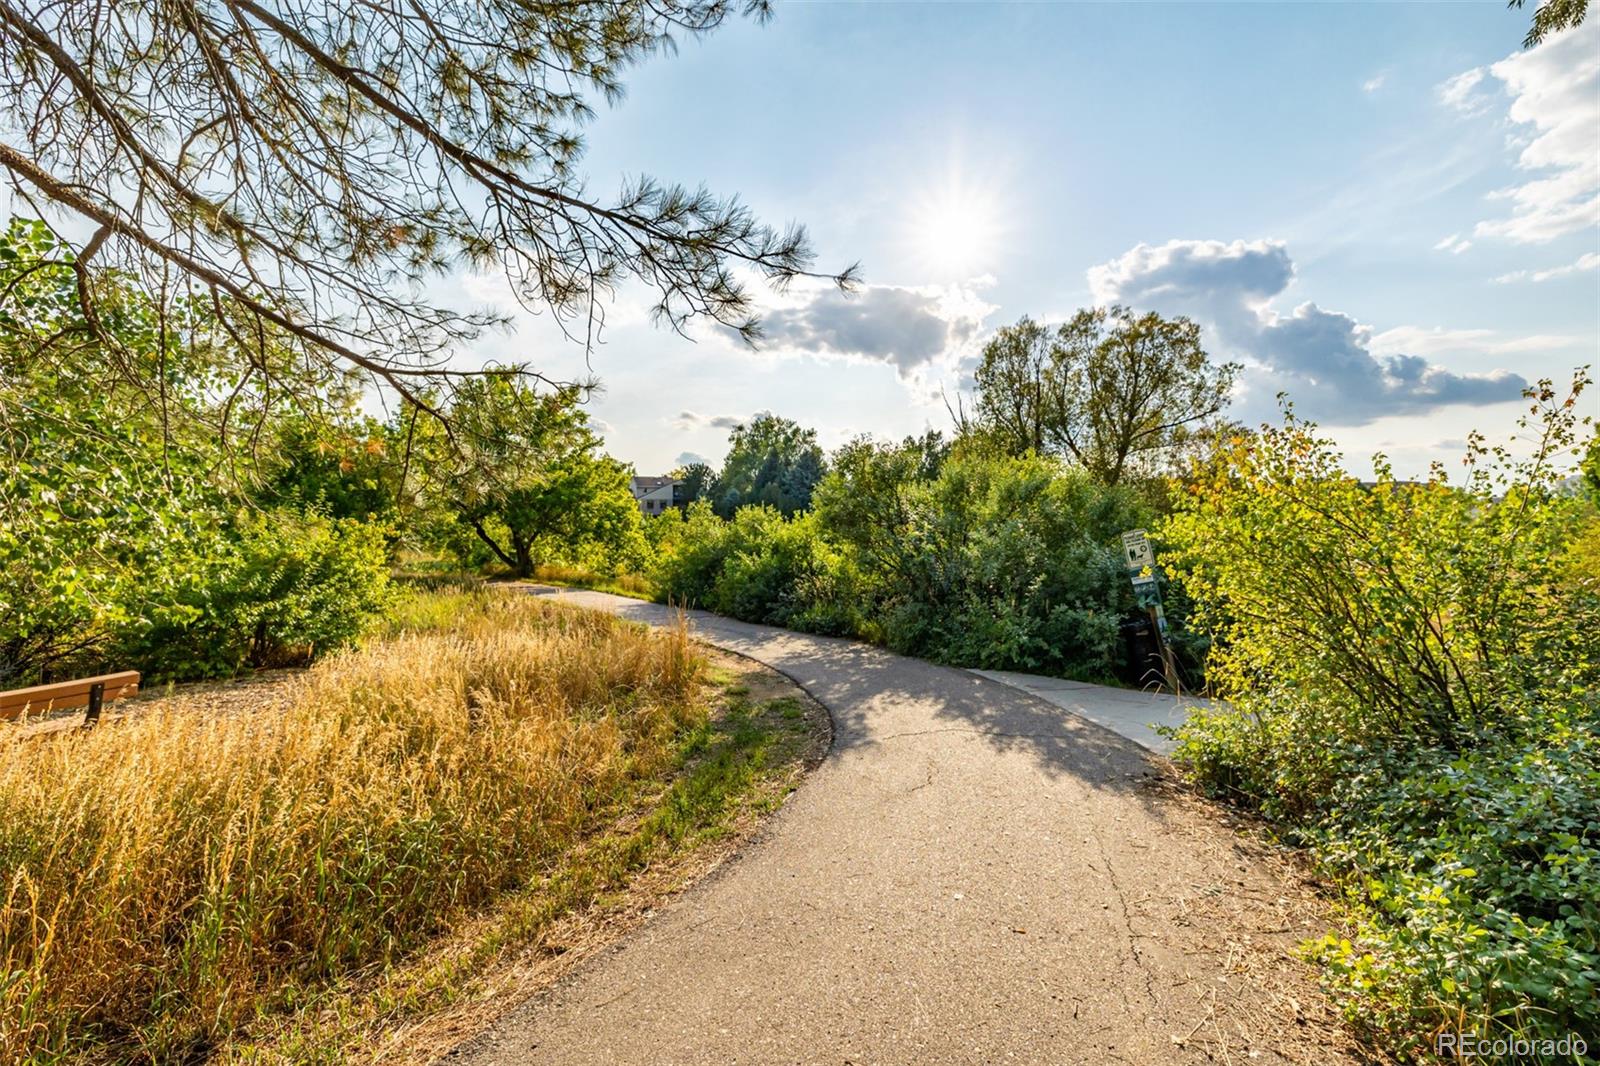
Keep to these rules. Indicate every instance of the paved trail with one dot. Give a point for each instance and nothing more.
(972, 876)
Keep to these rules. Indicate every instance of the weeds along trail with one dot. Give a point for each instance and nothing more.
(166, 876)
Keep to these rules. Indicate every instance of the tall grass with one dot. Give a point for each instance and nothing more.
(622, 584)
(171, 874)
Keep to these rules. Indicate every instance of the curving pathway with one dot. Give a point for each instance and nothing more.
(972, 876)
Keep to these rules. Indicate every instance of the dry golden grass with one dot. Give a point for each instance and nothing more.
(171, 874)
(634, 585)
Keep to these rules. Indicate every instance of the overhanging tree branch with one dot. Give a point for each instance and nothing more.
(318, 164)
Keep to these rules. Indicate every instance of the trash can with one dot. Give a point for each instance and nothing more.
(1141, 653)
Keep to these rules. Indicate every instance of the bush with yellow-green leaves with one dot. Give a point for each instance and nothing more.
(1414, 670)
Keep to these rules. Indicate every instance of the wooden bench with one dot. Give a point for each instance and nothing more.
(90, 692)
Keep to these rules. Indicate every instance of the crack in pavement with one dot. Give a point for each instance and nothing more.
(1127, 919)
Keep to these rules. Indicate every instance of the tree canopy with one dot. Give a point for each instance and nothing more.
(695, 481)
(525, 472)
(1108, 388)
(771, 460)
(304, 169)
(1552, 16)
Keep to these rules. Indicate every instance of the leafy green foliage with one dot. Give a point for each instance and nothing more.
(1383, 610)
(346, 472)
(525, 475)
(760, 566)
(126, 536)
(1551, 16)
(278, 590)
(999, 561)
(1415, 677)
(1111, 390)
(85, 516)
(771, 461)
(983, 560)
(1590, 468)
(697, 481)
(1471, 880)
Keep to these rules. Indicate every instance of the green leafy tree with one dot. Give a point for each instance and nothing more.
(759, 566)
(125, 538)
(1371, 612)
(1589, 469)
(1111, 390)
(866, 499)
(92, 495)
(1411, 670)
(343, 468)
(996, 560)
(524, 473)
(1023, 388)
(770, 461)
(697, 482)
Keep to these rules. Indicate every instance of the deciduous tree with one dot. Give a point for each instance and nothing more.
(1109, 388)
(697, 481)
(525, 472)
(771, 460)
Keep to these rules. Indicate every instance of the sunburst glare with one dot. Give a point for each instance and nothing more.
(956, 228)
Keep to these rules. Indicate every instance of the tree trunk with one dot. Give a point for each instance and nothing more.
(524, 564)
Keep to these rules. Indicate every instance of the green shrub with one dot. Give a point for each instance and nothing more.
(1371, 613)
(997, 561)
(118, 542)
(1415, 677)
(689, 551)
(991, 561)
(278, 590)
(1472, 880)
(86, 519)
(760, 567)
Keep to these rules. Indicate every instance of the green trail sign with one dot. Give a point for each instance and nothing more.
(1140, 562)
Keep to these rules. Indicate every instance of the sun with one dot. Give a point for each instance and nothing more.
(956, 229)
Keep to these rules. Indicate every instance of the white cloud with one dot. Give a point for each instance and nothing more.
(690, 459)
(911, 329)
(1458, 92)
(1325, 360)
(1555, 104)
(1587, 261)
(1454, 244)
(1539, 342)
(687, 420)
(1374, 83)
(1419, 341)
(1209, 280)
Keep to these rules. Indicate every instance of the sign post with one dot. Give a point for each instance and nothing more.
(1140, 562)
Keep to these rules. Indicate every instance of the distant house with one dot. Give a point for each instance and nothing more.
(655, 494)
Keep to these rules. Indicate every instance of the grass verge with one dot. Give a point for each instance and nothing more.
(739, 764)
(177, 881)
(633, 586)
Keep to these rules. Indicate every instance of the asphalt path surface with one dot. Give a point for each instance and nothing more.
(973, 875)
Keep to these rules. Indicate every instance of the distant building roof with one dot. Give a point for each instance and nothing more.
(647, 483)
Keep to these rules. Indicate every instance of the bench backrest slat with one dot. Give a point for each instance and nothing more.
(64, 695)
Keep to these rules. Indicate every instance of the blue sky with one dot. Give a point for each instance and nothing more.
(1389, 210)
